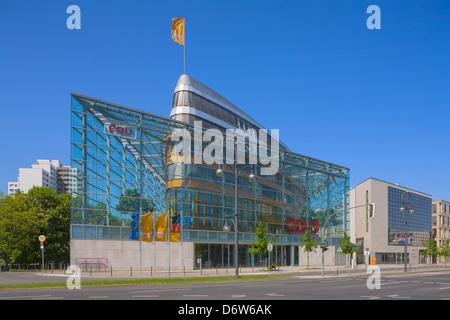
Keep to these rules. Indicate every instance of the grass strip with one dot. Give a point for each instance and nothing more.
(135, 282)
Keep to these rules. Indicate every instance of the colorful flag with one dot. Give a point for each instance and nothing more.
(178, 30)
(146, 227)
(161, 227)
(175, 230)
(134, 226)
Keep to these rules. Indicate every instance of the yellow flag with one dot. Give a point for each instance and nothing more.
(146, 227)
(178, 30)
(161, 227)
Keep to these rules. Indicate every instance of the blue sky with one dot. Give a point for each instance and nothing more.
(375, 101)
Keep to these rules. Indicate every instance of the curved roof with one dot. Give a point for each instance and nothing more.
(187, 83)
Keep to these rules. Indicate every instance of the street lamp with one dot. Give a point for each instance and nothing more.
(406, 206)
(226, 227)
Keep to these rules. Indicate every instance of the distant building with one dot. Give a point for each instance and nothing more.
(441, 221)
(383, 236)
(12, 187)
(44, 173)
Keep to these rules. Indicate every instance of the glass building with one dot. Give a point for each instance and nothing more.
(418, 228)
(122, 162)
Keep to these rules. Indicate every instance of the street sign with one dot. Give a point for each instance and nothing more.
(41, 238)
(269, 247)
(339, 250)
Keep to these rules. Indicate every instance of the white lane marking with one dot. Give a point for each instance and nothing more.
(157, 290)
(274, 295)
(264, 285)
(395, 296)
(24, 297)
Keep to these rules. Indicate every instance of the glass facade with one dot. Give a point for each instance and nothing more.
(418, 228)
(120, 159)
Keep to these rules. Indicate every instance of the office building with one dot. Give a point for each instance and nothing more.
(128, 162)
(401, 215)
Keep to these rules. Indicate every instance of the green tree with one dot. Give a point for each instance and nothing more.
(23, 217)
(309, 243)
(431, 249)
(130, 202)
(260, 245)
(444, 250)
(347, 247)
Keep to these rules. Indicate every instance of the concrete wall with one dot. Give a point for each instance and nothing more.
(122, 255)
(315, 257)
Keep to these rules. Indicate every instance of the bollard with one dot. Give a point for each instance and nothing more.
(131, 271)
(111, 271)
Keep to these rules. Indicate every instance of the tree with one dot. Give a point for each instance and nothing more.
(23, 217)
(444, 250)
(430, 248)
(130, 202)
(346, 246)
(309, 243)
(260, 245)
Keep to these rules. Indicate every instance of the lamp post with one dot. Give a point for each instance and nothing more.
(406, 206)
(226, 228)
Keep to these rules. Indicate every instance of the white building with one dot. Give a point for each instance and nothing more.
(45, 173)
(400, 215)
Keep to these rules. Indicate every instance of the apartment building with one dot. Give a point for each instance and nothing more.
(44, 173)
(441, 221)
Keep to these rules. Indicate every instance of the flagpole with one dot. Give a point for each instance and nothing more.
(154, 237)
(140, 244)
(184, 46)
(168, 234)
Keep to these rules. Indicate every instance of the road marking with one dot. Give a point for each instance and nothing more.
(22, 297)
(160, 290)
(264, 285)
(444, 288)
(274, 295)
(370, 297)
(388, 283)
(238, 296)
(395, 296)
(98, 297)
(147, 296)
(195, 295)
(340, 280)
(47, 298)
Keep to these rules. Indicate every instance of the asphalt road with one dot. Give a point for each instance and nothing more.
(408, 286)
